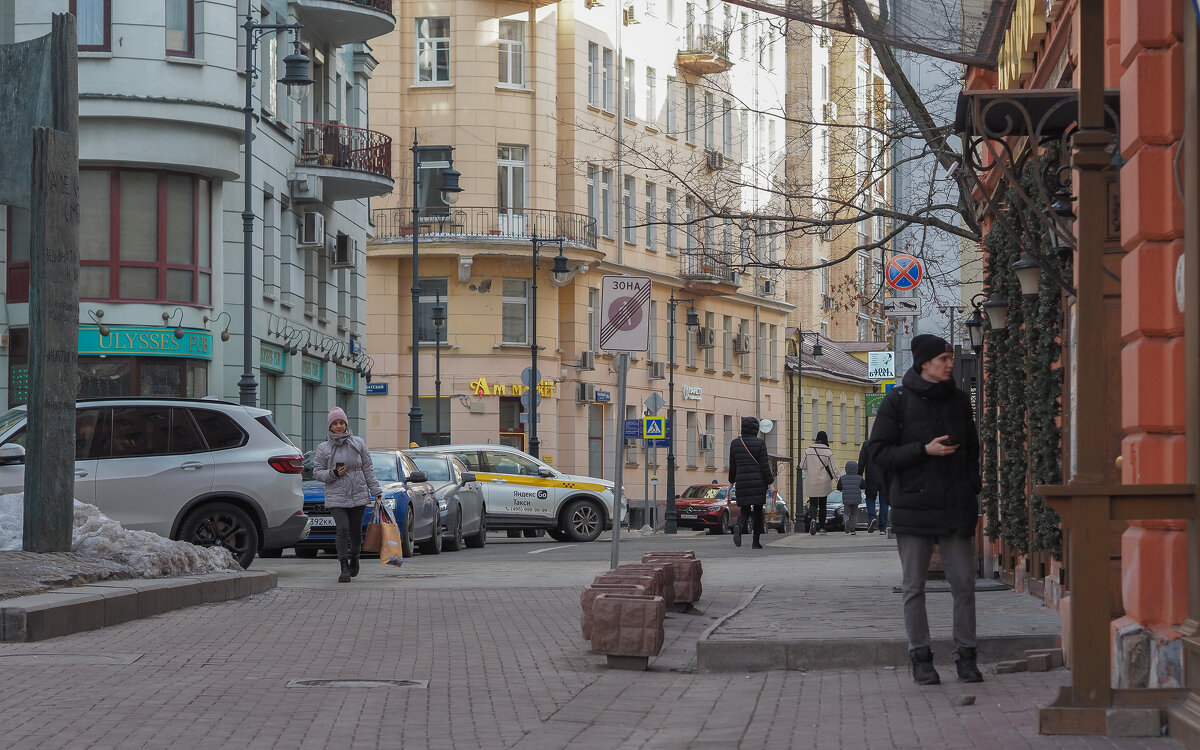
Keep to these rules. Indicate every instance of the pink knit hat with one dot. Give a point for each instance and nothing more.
(335, 414)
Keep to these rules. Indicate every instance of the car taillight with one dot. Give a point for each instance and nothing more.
(293, 464)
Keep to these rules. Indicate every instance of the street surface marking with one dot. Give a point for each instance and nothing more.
(547, 549)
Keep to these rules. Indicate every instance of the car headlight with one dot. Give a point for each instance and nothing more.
(716, 506)
(442, 505)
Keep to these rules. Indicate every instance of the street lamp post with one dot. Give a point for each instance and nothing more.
(560, 268)
(974, 326)
(297, 80)
(450, 190)
(693, 323)
(799, 502)
(439, 318)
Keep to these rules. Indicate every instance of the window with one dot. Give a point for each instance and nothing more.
(607, 80)
(629, 218)
(672, 125)
(510, 178)
(745, 36)
(432, 290)
(93, 24)
(727, 343)
(181, 27)
(824, 276)
(512, 53)
(630, 103)
(433, 50)
(710, 121)
(593, 73)
(727, 128)
(689, 236)
(672, 233)
(593, 320)
(651, 215)
(651, 97)
(163, 250)
(268, 71)
(710, 354)
(689, 113)
(515, 312)
(606, 177)
(593, 197)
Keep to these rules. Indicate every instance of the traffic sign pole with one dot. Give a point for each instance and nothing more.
(622, 363)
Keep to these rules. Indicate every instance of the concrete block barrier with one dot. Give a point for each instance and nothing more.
(665, 574)
(591, 591)
(652, 583)
(688, 572)
(628, 625)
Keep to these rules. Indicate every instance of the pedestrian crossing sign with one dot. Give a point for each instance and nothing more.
(654, 428)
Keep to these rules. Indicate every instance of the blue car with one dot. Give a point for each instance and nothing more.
(406, 492)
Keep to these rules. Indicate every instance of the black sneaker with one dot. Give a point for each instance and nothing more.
(964, 662)
(873, 526)
(812, 529)
(923, 671)
(737, 536)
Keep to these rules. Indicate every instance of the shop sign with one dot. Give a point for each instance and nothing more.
(270, 357)
(481, 387)
(343, 378)
(150, 341)
(692, 393)
(310, 369)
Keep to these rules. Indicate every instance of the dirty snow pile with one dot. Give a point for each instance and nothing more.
(96, 535)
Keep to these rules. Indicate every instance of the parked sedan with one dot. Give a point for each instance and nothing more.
(707, 506)
(406, 492)
(459, 497)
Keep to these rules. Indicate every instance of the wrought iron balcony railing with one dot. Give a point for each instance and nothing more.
(491, 223)
(346, 147)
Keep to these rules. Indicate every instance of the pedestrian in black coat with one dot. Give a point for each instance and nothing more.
(750, 473)
(924, 438)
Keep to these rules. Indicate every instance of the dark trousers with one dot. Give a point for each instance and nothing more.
(349, 530)
(744, 519)
(816, 511)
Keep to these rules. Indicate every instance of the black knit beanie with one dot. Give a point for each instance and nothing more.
(927, 346)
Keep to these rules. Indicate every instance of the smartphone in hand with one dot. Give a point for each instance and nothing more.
(950, 442)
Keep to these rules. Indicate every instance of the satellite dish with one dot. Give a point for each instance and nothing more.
(765, 426)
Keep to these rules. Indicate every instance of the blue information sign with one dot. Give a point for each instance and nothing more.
(376, 389)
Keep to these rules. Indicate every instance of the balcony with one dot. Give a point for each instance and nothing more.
(708, 273)
(339, 162)
(706, 52)
(341, 22)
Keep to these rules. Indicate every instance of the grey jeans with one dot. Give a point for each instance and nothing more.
(958, 559)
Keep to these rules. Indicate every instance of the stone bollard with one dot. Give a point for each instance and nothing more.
(651, 583)
(688, 572)
(663, 571)
(628, 628)
(592, 590)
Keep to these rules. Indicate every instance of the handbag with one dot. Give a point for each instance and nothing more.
(391, 551)
(373, 538)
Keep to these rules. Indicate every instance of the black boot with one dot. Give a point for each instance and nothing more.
(345, 576)
(923, 671)
(353, 565)
(737, 535)
(968, 670)
(756, 545)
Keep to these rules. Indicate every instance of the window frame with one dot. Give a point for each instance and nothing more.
(106, 46)
(436, 43)
(506, 49)
(509, 303)
(189, 32)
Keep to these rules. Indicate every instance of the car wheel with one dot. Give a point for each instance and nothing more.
(272, 553)
(406, 536)
(222, 525)
(514, 533)
(455, 542)
(723, 527)
(582, 521)
(476, 541)
(434, 545)
(307, 552)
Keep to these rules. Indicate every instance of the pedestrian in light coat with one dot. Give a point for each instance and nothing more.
(820, 473)
(343, 464)
(750, 473)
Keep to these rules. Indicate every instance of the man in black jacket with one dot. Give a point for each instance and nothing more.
(925, 440)
(750, 473)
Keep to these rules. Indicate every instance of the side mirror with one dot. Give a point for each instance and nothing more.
(417, 476)
(544, 472)
(468, 477)
(12, 453)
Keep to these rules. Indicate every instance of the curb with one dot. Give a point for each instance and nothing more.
(815, 654)
(99, 605)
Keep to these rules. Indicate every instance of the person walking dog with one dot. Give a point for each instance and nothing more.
(343, 464)
(750, 474)
(924, 438)
(820, 472)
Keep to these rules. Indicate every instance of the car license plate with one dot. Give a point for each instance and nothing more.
(688, 516)
(322, 521)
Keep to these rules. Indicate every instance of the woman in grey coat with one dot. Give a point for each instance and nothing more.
(343, 463)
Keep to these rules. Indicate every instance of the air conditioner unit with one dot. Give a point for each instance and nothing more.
(312, 229)
(716, 159)
(312, 141)
(707, 442)
(768, 287)
(706, 338)
(586, 393)
(741, 343)
(344, 252)
(628, 15)
(658, 370)
(829, 110)
(587, 360)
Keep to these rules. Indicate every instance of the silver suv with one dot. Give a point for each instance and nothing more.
(209, 472)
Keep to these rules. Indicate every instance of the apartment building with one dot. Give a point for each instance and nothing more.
(162, 87)
(627, 131)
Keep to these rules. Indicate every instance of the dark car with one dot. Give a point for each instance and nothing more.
(459, 498)
(406, 492)
(834, 512)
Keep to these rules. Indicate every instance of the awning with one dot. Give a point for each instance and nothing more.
(1021, 112)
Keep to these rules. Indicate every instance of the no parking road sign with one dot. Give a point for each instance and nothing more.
(903, 272)
(625, 313)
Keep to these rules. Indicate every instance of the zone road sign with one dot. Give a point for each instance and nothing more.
(625, 313)
(903, 272)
